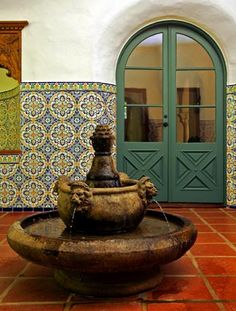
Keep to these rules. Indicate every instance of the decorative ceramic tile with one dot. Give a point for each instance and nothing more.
(9, 158)
(72, 86)
(231, 145)
(57, 120)
(10, 121)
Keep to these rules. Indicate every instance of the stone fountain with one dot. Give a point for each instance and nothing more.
(103, 241)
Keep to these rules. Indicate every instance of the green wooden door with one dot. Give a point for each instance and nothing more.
(170, 113)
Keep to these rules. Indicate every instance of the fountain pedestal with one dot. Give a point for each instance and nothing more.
(103, 285)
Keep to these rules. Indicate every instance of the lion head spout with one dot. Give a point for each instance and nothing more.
(147, 190)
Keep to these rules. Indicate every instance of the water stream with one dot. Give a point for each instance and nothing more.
(161, 209)
(72, 219)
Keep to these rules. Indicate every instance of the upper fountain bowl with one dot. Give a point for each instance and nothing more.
(108, 201)
(103, 210)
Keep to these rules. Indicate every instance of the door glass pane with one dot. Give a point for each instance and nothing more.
(191, 54)
(195, 87)
(195, 125)
(143, 124)
(147, 82)
(147, 53)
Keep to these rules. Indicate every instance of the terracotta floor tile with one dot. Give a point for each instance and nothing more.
(210, 214)
(107, 307)
(5, 242)
(212, 250)
(203, 228)
(181, 213)
(45, 288)
(209, 209)
(182, 307)
(2, 237)
(180, 288)
(36, 290)
(4, 283)
(221, 220)
(231, 236)
(4, 229)
(78, 299)
(23, 307)
(178, 209)
(7, 252)
(231, 210)
(224, 287)
(225, 228)
(9, 218)
(209, 237)
(217, 266)
(182, 266)
(216, 214)
(196, 220)
(34, 270)
(11, 266)
(230, 306)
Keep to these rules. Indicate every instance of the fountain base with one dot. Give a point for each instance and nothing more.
(103, 265)
(108, 285)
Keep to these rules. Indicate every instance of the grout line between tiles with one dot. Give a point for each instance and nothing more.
(228, 232)
(214, 256)
(6, 291)
(197, 275)
(147, 301)
(228, 214)
(229, 243)
(67, 306)
(144, 306)
(68, 303)
(3, 241)
(209, 287)
(29, 303)
(210, 243)
(190, 301)
(207, 283)
(181, 275)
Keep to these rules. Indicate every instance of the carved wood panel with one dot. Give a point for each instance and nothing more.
(10, 47)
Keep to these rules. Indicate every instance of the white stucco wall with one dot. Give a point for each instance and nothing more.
(71, 40)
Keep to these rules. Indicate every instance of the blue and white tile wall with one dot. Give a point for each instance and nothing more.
(57, 120)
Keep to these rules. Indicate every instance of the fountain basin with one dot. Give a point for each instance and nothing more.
(103, 210)
(103, 265)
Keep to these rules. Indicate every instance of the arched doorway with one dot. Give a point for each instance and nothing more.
(170, 112)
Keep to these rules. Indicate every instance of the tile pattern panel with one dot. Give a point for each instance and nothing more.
(231, 145)
(10, 120)
(57, 120)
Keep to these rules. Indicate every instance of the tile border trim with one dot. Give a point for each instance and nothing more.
(68, 86)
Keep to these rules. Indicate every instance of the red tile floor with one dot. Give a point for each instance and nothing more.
(203, 279)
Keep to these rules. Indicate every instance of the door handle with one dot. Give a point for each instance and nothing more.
(165, 124)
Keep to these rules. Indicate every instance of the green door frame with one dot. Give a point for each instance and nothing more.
(169, 78)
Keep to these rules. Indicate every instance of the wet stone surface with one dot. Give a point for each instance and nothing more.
(55, 228)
